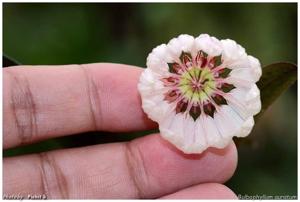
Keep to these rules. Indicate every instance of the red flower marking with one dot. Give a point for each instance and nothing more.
(214, 62)
(186, 59)
(172, 95)
(170, 81)
(209, 109)
(175, 68)
(201, 59)
(181, 106)
(195, 111)
(219, 99)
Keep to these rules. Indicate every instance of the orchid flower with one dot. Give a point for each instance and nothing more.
(201, 91)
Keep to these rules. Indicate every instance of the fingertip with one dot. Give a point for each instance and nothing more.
(226, 192)
(230, 161)
(222, 160)
(204, 191)
(170, 168)
(220, 191)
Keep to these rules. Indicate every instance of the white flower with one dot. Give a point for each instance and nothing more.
(201, 91)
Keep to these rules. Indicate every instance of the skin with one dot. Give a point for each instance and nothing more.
(50, 101)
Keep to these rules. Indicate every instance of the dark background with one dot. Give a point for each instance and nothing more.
(126, 33)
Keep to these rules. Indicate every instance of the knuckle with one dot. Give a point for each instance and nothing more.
(94, 96)
(136, 169)
(23, 107)
(54, 183)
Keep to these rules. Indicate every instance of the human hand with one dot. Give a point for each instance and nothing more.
(51, 101)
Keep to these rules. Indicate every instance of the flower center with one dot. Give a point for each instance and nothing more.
(197, 84)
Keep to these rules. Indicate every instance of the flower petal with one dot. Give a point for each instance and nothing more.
(246, 128)
(190, 139)
(233, 54)
(253, 100)
(227, 121)
(201, 135)
(243, 74)
(183, 43)
(152, 91)
(171, 129)
(256, 67)
(246, 101)
(158, 60)
(210, 45)
(212, 134)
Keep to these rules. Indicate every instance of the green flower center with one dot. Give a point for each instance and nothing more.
(197, 84)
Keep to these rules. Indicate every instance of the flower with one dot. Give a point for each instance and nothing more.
(201, 91)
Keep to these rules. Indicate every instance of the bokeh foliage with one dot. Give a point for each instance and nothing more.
(126, 33)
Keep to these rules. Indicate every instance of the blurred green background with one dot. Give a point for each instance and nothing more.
(125, 33)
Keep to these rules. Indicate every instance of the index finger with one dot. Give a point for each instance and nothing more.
(41, 102)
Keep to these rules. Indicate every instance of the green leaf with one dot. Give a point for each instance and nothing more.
(276, 78)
